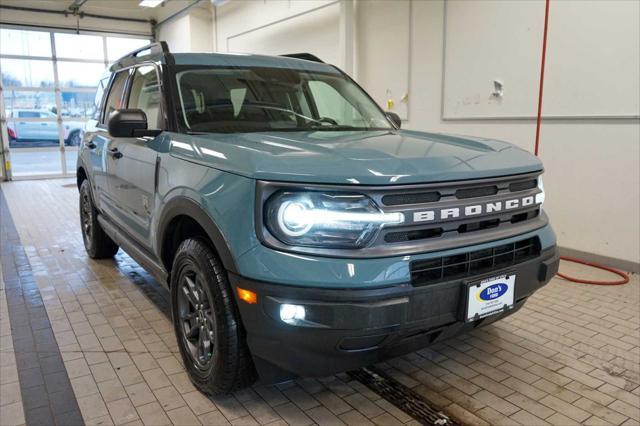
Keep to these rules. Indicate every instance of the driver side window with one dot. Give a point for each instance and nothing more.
(114, 101)
(145, 95)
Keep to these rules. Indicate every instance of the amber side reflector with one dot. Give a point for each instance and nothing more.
(248, 296)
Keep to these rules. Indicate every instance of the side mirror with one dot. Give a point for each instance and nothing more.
(394, 118)
(129, 123)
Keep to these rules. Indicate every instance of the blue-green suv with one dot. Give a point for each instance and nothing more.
(299, 230)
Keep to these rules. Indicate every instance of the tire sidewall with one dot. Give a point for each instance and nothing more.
(89, 243)
(210, 379)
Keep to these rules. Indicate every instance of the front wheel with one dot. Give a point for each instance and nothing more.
(97, 243)
(207, 323)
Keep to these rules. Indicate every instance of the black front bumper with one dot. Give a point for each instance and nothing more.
(347, 329)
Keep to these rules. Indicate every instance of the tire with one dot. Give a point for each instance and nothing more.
(97, 243)
(74, 139)
(207, 323)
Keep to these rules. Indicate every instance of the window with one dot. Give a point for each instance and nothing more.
(28, 114)
(145, 95)
(49, 98)
(333, 106)
(97, 100)
(257, 99)
(114, 101)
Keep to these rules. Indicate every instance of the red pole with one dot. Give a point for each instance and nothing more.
(544, 57)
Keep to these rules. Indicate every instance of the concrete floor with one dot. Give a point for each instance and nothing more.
(570, 356)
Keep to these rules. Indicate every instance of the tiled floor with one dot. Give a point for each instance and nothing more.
(570, 356)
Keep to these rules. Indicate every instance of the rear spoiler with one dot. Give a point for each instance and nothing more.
(305, 56)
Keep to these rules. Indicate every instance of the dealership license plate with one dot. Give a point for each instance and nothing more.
(490, 296)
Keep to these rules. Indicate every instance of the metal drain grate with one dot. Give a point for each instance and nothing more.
(401, 396)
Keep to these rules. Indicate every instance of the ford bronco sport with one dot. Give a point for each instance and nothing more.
(298, 229)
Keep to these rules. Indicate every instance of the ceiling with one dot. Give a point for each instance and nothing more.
(118, 8)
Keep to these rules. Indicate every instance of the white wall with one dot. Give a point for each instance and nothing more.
(280, 26)
(189, 32)
(592, 164)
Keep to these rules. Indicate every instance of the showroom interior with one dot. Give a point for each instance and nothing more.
(88, 338)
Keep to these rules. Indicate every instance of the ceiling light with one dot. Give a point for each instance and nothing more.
(150, 3)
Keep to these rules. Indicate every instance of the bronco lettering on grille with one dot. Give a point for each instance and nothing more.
(472, 210)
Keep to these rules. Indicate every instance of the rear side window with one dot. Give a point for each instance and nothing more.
(28, 114)
(114, 100)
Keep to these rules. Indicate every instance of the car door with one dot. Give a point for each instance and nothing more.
(96, 150)
(133, 176)
(27, 129)
(49, 129)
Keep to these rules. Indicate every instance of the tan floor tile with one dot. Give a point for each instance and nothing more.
(170, 365)
(183, 417)
(198, 402)
(12, 414)
(120, 359)
(103, 371)
(122, 411)
(92, 406)
(169, 398)
(100, 421)
(77, 368)
(153, 414)
(84, 386)
(10, 393)
(156, 378)
(144, 361)
(112, 390)
(129, 375)
(140, 394)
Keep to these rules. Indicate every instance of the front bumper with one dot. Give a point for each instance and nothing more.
(351, 328)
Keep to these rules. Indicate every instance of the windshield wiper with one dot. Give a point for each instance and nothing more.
(276, 108)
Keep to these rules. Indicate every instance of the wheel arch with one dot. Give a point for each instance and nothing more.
(183, 212)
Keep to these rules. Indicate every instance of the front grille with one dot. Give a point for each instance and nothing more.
(482, 191)
(430, 271)
(411, 198)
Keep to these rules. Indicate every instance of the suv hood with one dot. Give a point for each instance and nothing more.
(354, 157)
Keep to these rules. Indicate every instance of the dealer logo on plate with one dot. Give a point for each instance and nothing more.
(492, 292)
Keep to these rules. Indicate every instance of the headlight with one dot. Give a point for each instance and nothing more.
(540, 196)
(325, 219)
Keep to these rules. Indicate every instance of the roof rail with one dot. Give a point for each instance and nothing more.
(305, 56)
(157, 47)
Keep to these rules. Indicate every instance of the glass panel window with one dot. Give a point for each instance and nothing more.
(27, 43)
(26, 73)
(15, 100)
(77, 104)
(34, 163)
(333, 106)
(145, 95)
(117, 47)
(97, 100)
(115, 94)
(79, 46)
(79, 74)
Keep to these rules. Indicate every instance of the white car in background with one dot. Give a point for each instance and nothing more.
(23, 134)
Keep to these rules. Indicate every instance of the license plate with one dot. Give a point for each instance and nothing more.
(490, 296)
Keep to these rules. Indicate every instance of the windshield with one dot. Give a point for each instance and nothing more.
(255, 99)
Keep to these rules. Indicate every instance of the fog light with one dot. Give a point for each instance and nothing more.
(291, 314)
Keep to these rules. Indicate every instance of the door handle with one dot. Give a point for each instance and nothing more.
(115, 153)
(90, 145)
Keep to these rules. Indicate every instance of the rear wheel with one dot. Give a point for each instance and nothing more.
(97, 243)
(74, 139)
(207, 323)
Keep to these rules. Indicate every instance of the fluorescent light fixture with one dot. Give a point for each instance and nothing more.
(150, 3)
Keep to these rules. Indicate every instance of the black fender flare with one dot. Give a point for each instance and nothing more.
(183, 206)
